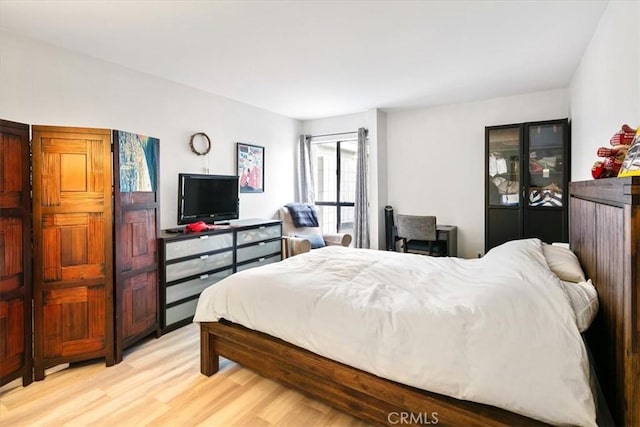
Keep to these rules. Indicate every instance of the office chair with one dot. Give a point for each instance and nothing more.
(418, 235)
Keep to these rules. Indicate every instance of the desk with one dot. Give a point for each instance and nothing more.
(444, 233)
(449, 235)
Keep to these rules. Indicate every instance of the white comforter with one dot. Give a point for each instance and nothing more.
(497, 330)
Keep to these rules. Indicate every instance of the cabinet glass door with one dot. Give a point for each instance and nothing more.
(546, 165)
(504, 167)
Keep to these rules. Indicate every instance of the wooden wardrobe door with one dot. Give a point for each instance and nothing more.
(15, 254)
(72, 236)
(135, 160)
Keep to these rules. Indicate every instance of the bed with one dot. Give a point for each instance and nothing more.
(604, 231)
(382, 396)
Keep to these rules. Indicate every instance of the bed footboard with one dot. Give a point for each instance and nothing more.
(358, 393)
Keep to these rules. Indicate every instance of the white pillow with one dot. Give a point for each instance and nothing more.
(563, 263)
(584, 301)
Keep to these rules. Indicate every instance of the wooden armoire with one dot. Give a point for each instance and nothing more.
(88, 299)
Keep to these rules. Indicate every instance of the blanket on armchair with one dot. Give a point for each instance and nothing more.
(303, 215)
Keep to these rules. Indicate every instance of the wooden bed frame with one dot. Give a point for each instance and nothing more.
(605, 233)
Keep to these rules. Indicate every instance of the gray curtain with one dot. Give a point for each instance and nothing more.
(305, 186)
(362, 196)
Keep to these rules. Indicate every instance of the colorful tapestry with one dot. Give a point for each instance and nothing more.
(138, 162)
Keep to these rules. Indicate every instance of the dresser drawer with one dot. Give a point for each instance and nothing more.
(180, 312)
(199, 245)
(260, 250)
(194, 286)
(259, 262)
(264, 232)
(199, 265)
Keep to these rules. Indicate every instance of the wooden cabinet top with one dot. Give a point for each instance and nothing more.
(238, 224)
(611, 191)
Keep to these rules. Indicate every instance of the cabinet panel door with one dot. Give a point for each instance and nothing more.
(545, 224)
(72, 217)
(504, 149)
(502, 225)
(546, 145)
(12, 338)
(546, 179)
(139, 310)
(15, 254)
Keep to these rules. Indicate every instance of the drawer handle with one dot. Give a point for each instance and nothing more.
(261, 244)
(204, 276)
(204, 237)
(204, 256)
(261, 259)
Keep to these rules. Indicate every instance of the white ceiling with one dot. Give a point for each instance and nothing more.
(312, 59)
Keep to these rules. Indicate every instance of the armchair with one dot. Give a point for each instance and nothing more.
(303, 239)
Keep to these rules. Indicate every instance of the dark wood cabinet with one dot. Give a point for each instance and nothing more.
(526, 180)
(194, 261)
(15, 254)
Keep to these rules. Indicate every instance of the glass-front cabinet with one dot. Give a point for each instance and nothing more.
(546, 160)
(526, 174)
(505, 152)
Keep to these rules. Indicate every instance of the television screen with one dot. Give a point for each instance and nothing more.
(207, 198)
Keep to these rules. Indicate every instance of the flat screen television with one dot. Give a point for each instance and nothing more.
(208, 198)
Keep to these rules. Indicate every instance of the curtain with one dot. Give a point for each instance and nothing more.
(362, 195)
(305, 177)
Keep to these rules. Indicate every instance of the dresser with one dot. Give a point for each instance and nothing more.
(193, 261)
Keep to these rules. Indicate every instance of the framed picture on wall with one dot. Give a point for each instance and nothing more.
(250, 168)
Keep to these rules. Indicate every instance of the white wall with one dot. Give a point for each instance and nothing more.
(42, 84)
(605, 89)
(435, 158)
(346, 123)
(378, 176)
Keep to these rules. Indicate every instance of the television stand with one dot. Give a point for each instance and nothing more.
(190, 262)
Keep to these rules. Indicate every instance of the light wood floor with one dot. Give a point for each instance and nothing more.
(159, 383)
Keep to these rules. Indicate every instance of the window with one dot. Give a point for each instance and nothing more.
(335, 166)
